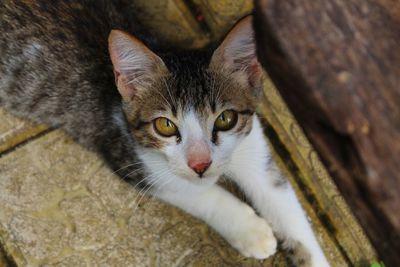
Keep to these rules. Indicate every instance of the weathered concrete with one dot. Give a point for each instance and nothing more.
(60, 205)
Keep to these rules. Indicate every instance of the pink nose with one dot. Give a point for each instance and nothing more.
(199, 167)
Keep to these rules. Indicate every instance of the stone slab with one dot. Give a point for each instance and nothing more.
(60, 206)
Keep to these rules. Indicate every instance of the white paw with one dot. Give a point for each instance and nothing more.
(254, 238)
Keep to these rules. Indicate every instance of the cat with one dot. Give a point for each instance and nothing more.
(181, 119)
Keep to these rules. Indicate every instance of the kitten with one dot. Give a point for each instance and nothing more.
(181, 119)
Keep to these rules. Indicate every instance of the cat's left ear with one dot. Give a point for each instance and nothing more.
(136, 67)
(237, 54)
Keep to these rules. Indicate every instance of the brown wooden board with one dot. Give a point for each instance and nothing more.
(347, 244)
(337, 65)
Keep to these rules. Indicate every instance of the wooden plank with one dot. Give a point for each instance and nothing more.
(219, 16)
(171, 21)
(347, 243)
(3, 259)
(337, 66)
(14, 131)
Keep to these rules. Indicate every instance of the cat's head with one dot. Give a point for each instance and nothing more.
(189, 111)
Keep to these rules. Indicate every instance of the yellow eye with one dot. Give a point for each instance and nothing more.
(165, 127)
(226, 120)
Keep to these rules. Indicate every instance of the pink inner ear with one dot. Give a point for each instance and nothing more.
(126, 90)
(254, 72)
(237, 53)
(135, 66)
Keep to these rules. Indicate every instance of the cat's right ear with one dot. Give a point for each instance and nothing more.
(135, 66)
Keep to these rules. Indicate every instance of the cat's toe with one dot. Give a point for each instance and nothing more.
(257, 240)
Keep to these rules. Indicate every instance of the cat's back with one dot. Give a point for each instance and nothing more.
(53, 54)
(60, 29)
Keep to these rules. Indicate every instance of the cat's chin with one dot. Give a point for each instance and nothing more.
(203, 181)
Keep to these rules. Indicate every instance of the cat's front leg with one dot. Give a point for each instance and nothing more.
(232, 218)
(254, 171)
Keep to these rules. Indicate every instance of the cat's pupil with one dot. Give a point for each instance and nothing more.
(165, 127)
(222, 117)
(226, 120)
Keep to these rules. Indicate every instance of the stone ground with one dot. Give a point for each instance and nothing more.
(61, 206)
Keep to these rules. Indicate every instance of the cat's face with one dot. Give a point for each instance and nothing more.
(194, 123)
(190, 111)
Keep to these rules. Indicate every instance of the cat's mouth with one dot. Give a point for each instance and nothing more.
(204, 181)
(209, 177)
(206, 178)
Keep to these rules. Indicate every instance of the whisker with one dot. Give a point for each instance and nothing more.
(144, 190)
(129, 165)
(155, 163)
(154, 195)
(169, 92)
(153, 185)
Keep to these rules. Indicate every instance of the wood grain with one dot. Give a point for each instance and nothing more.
(337, 65)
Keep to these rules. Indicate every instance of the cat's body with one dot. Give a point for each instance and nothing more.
(55, 69)
(181, 120)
